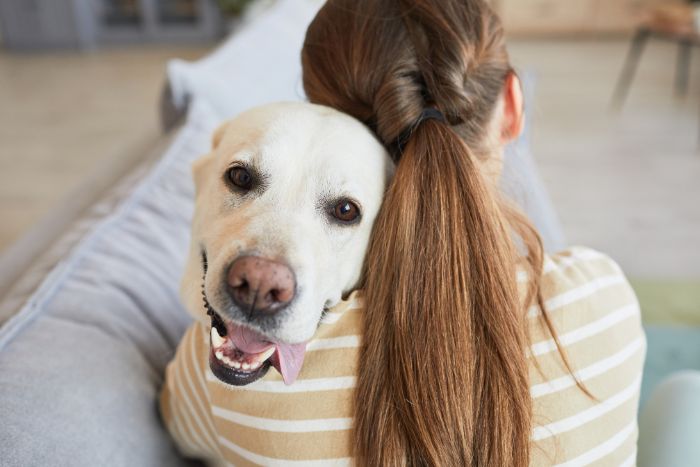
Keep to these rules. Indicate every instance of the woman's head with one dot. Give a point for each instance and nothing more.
(443, 378)
(386, 61)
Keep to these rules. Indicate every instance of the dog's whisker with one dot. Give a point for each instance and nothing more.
(205, 262)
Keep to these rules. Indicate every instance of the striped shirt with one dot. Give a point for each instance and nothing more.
(593, 309)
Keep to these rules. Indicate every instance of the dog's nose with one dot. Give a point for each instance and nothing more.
(260, 285)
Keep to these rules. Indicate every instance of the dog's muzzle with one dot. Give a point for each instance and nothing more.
(239, 355)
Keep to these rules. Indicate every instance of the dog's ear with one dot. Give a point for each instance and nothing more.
(218, 135)
(199, 167)
(199, 170)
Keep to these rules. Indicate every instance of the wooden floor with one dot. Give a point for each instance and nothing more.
(625, 183)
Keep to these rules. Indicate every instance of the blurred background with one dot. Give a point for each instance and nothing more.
(613, 107)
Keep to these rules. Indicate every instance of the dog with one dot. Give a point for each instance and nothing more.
(284, 207)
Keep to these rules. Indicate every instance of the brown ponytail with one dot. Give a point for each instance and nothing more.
(443, 375)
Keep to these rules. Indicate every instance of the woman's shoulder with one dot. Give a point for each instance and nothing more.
(588, 300)
(586, 295)
(581, 272)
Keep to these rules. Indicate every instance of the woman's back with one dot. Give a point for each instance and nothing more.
(594, 312)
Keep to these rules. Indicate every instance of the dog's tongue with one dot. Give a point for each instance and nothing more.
(287, 359)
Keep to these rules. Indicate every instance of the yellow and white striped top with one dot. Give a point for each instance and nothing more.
(308, 423)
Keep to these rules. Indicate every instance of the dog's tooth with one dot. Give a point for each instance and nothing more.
(216, 339)
(268, 353)
(245, 366)
(219, 354)
(235, 364)
(255, 365)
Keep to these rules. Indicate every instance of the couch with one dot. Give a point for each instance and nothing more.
(88, 327)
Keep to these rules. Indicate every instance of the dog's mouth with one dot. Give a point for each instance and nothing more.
(230, 364)
(240, 355)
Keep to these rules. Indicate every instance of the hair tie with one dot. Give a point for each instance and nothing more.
(430, 113)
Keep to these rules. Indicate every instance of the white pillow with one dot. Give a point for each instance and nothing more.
(258, 64)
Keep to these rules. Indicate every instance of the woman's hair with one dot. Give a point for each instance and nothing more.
(443, 373)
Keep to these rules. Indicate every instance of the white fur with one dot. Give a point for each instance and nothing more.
(309, 155)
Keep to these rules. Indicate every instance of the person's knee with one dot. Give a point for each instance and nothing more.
(669, 425)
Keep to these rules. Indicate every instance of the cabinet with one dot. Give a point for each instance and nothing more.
(550, 16)
(621, 15)
(574, 17)
(83, 24)
(122, 21)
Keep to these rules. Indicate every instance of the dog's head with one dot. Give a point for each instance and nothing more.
(285, 203)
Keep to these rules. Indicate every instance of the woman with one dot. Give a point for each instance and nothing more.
(446, 376)
(470, 335)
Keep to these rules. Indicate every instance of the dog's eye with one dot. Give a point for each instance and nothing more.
(346, 211)
(240, 177)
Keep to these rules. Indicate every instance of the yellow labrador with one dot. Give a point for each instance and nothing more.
(285, 203)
